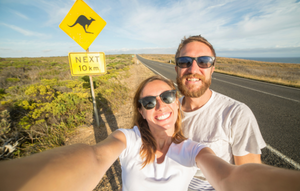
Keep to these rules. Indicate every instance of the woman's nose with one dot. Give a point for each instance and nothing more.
(159, 103)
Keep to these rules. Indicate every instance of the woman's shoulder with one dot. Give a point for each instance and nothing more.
(187, 146)
(131, 135)
(133, 142)
(185, 152)
(133, 131)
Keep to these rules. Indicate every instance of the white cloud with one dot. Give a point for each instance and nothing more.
(48, 50)
(149, 50)
(37, 48)
(56, 10)
(19, 14)
(260, 52)
(230, 25)
(225, 23)
(24, 31)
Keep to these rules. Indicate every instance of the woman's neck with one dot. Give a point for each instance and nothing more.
(162, 148)
(163, 143)
(163, 138)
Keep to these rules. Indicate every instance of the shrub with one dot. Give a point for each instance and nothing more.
(43, 112)
(12, 79)
(2, 93)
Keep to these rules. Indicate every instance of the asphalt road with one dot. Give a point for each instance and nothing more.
(276, 108)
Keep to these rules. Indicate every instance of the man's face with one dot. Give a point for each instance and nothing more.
(194, 81)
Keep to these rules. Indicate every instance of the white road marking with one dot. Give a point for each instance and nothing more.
(158, 73)
(276, 152)
(257, 81)
(284, 157)
(259, 91)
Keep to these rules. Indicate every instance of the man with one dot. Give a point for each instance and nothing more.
(227, 126)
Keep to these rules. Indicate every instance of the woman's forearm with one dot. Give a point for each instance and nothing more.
(76, 167)
(66, 168)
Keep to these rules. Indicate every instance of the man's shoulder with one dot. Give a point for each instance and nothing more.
(228, 104)
(217, 96)
(221, 99)
(220, 102)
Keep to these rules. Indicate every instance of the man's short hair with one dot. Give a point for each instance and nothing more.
(197, 38)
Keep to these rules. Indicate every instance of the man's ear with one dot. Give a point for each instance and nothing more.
(176, 69)
(212, 70)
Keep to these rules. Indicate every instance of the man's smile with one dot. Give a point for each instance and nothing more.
(193, 79)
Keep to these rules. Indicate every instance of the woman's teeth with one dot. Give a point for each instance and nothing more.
(164, 116)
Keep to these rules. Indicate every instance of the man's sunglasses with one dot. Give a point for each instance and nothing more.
(149, 102)
(202, 61)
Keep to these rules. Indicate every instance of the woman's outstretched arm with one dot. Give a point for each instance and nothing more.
(224, 176)
(75, 167)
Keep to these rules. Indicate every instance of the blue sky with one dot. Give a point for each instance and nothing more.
(236, 28)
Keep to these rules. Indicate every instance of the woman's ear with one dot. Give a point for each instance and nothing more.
(177, 101)
(141, 112)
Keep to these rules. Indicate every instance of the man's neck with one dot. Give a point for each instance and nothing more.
(191, 104)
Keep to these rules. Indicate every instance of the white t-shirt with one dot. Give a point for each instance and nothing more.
(174, 173)
(225, 125)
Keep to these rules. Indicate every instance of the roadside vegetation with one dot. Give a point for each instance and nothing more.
(279, 73)
(41, 103)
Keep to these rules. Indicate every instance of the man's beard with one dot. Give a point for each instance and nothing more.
(193, 93)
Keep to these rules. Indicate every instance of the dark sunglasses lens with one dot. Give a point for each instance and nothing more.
(184, 62)
(148, 102)
(205, 61)
(168, 97)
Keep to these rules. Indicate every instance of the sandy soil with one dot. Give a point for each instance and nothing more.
(109, 123)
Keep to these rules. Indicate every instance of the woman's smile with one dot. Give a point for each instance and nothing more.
(163, 116)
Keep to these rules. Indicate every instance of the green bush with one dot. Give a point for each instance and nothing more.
(12, 79)
(44, 112)
(2, 93)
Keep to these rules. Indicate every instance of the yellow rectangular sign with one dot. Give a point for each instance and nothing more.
(87, 63)
(82, 24)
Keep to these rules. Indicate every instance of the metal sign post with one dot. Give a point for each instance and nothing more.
(93, 97)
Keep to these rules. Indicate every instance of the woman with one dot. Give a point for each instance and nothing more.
(154, 156)
(158, 156)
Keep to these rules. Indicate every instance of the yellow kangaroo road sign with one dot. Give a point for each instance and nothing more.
(82, 24)
(82, 63)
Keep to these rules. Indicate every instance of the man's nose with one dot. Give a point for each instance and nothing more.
(194, 67)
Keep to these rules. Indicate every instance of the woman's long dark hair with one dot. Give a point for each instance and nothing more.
(149, 145)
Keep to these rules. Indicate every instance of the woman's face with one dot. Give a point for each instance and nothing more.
(163, 116)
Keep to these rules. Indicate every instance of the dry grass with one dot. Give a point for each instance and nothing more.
(165, 58)
(279, 73)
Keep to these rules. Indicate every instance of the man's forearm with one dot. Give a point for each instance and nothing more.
(260, 177)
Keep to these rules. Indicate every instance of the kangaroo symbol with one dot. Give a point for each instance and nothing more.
(84, 22)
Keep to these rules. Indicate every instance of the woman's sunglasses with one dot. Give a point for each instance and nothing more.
(202, 61)
(167, 97)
